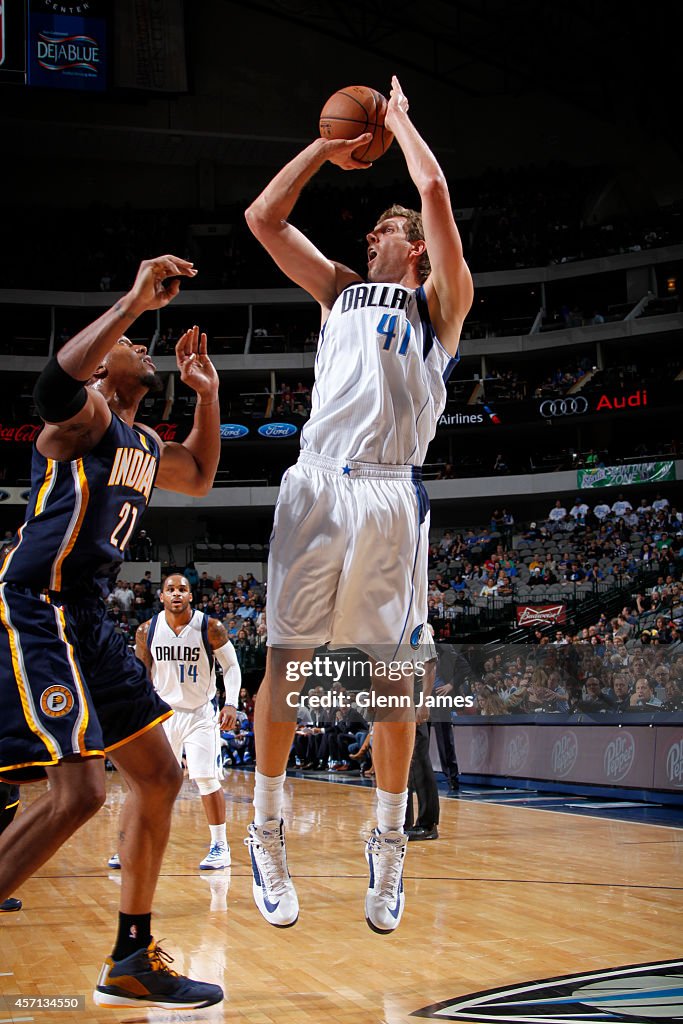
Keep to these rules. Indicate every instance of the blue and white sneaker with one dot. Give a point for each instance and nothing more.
(114, 862)
(385, 899)
(273, 889)
(217, 857)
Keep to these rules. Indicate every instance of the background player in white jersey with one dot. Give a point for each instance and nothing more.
(348, 554)
(178, 646)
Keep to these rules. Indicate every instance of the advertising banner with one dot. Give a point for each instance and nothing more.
(540, 614)
(22, 433)
(565, 410)
(669, 759)
(67, 44)
(624, 476)
(599, 755)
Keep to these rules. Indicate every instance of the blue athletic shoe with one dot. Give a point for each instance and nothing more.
(272, 887)
(10, 905)
(385, 899)
(145, 979)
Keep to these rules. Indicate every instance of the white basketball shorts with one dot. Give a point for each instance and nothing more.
(348, 558)
(197, 733)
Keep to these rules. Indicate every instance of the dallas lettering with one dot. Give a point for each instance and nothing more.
(176, 653)
(360, 296)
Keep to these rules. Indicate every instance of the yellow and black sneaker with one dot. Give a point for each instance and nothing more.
(145, 979)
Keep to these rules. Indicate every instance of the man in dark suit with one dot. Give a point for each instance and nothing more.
(452, 669)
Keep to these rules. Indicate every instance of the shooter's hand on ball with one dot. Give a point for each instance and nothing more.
(340, 152)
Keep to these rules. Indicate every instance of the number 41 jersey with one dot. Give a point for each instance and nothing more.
(381, 377)
(82, 514)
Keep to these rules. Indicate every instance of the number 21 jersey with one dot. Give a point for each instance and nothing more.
(82, 514)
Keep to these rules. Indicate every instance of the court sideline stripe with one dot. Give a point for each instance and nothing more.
(514, 807)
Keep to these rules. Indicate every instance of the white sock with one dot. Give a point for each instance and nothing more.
(391, 810)
(269, 793)
(218, 835)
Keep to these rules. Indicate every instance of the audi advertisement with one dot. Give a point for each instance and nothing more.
(566, 409)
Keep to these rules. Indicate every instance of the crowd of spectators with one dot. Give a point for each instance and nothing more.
(239, 604)
(293, 401)
(595, 672)
(562, 378)
(529, 216)
(574, 554)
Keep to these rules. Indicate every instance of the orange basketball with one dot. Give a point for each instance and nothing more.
(352, 111)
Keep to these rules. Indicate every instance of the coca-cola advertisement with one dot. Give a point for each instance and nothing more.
(25, 433)
(167, 431)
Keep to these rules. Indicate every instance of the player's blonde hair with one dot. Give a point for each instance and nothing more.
(414, 232)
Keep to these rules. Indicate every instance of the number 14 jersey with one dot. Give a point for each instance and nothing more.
(381, 377)
(183, 667)
(82, 514)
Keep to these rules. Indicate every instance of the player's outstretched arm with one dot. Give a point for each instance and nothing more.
(61, 398)
(268, 221)
(190, 467)
(449, 287)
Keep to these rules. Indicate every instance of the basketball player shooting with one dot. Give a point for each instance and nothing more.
(71, 689)
(348, 557)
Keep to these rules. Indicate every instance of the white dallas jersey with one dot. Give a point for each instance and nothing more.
(183, 670)
(380, 378)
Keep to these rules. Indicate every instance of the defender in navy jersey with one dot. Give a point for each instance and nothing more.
(70, 689)
(348, 555)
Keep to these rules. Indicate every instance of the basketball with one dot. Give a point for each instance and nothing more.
(352, 111)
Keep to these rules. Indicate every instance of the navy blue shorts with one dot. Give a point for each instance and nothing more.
(69, 684)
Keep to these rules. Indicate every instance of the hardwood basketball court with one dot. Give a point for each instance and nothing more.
(507, 895)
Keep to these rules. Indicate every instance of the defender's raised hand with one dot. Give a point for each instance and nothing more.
(156, 283)
(196, 369)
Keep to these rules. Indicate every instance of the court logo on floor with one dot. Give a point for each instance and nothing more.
(643, 992)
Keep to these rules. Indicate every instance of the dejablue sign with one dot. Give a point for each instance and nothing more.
(232, 431)
(277, 429)
(67, 45)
